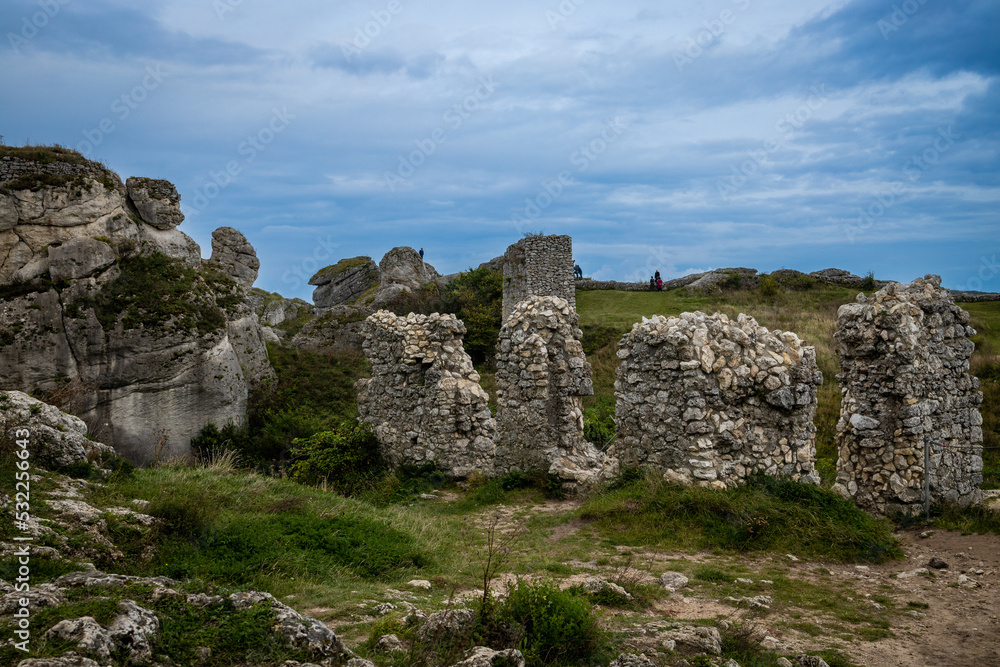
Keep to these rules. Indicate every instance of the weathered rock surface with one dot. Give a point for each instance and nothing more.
(542, 376)
(303, 632)
(632, 660)
(144, 372)
(424, 398)
(446, 625)
(483, 656)
(712, 401)
(339, 329)
(344, 282)
(904, 355)
(156, 200)
(54, 438)
(403, 266)
(79, 258)
(673, 581)
(695, 637)
(89, 636)
(66, 660)
(234, 255)
(538, 266)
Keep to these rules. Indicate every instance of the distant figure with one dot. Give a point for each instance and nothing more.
(659, 284)
(657, 275)
(421, 254)
(577, 271)
(652, 284)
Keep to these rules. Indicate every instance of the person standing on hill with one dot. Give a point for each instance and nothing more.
(577, 271)
(659, 284)
(421, 254)
(652, 284)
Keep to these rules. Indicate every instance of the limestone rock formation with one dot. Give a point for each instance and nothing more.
(542, 375)
(338, 329)
(51, 196)
(54, 437)
(904, 355)
(234, 255)
(157, 202)
(839, 276)
(403, 266)
(115, 320)
(711, 401)
(424, 398)
(538, 266)
(344, 282)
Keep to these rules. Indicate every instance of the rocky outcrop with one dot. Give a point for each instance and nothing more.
(44, 204)
(542, 375)
(339, 329)
(115, 320)
(904, 358)
(54, 438)
(424, 398)
(233, 254)
(711, 401)
(403, 267)
(156, 201)
(344, 282)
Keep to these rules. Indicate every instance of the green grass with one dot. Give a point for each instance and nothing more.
(767, 515)
(250, 531)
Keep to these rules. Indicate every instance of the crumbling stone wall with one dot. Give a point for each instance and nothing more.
(904, 356)
(424, 398)
(538, 266)
(711, 401)
(542, 375)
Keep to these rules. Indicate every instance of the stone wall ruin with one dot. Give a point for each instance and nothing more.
(424, 398)
(711, 401)
(904, 377)
(542, 375)
(538, 265)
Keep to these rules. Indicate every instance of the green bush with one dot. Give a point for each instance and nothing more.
(347, 459)
(768, 286)
(553, 627)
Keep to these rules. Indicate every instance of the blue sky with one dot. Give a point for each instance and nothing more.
(675, 136)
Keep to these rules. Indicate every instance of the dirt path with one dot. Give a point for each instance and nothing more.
(960, 626)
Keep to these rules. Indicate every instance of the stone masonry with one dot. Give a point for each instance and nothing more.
(542, 375)
(424, 398)
(711, 401)
(538, 266)
(904, 355)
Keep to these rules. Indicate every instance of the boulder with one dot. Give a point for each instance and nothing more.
(632, 660)
(234, 255)
(483, 656)
(403, 266)
(55, 438)
(89, 636)
(673, 581)
(79, 258)
(344, 282)
(302, 632)
(446, 625)
(156, 200)
(838, 276)
(133, 628)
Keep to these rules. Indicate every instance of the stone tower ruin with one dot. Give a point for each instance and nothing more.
(904, 355)
(538, 266)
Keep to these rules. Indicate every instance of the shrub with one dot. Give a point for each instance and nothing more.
(347, 458)
(553, 627)
(768, 286)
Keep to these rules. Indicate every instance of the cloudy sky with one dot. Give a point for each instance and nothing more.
(677, 136)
